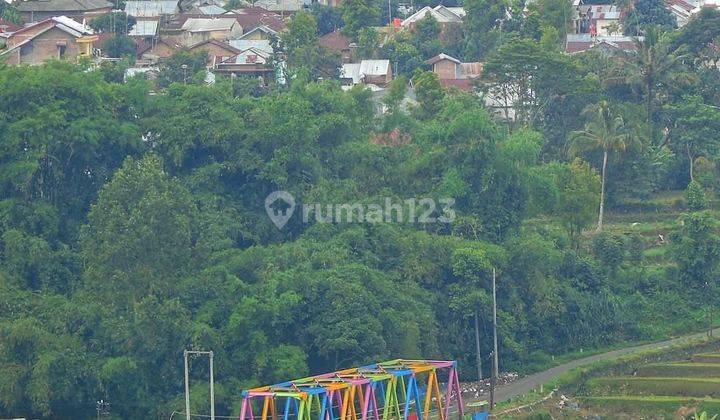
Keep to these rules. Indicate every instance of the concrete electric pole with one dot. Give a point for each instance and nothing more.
(187, 383)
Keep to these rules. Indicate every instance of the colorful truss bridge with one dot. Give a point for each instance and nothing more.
(389, 390)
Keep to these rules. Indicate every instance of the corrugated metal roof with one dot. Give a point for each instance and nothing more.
(208, 24)
(249, 56)
(262, 28)
(440, 57)
(151, 8)
(144, 28)
(211, 9)
(280, 5)
(440, 13)
(374, 67)
(582, 42)
(244, 44)
(351, 71)
(72, 26)
(62, 5)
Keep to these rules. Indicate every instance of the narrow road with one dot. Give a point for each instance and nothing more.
(530, 382)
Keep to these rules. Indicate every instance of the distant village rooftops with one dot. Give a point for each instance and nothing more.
(577, 43)
(211, 9)
(258, 44)
(144, 28)
(59, 37)
(441, 57)
(280, 6)
(335, 41)
(442, 14)
(62, 5)
(454, 73)
(151, 8)
(369, 72)
(208, 24)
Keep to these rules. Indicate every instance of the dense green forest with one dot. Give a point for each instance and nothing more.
(132, 221)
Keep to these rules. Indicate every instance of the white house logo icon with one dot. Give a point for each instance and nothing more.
(280, 206)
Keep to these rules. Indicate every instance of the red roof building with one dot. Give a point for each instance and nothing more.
(7, 27)
(337, 42)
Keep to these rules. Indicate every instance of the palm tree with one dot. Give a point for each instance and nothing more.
(654, 64)
(603, 130)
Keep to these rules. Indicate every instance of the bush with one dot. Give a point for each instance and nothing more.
(695, 196)
(119, 46)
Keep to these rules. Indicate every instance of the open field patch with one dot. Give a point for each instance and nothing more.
(707, 358)
(654, 405)
(680, 369)
(646, 386)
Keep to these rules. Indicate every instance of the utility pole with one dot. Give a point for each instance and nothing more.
(477, 346)
(390, 13)
(492, 384)
(495, 338)
(187, 386)
(212, 388)
(187, 383)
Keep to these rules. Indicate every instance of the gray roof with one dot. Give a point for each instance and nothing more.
(211, 9)
(144, 28)
(280, 5)
(244, 44)
(374, 67)
(208, 24)
(62, 5)
(151, 8)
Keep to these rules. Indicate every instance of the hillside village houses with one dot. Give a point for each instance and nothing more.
(57, 37)
(35, 11)
(240, 41)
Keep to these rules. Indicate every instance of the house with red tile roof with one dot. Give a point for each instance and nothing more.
(336, 42)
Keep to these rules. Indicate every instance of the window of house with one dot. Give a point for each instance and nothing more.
(61, 50)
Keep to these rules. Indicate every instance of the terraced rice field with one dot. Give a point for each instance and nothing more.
(660, 389)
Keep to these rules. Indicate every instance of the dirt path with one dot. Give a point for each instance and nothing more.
(530, 382)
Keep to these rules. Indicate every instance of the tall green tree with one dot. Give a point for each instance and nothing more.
(358, 14)
(579, 199)
(646, 13)
(482, 26)
(11, 14)
(655, 66)
(118, 23)
(696, 249)
(605, 130)
(701, 31)
(304, 55)
(328, 18)
(120, 46)
(429, 93)
(140, 234)
(692, 130)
